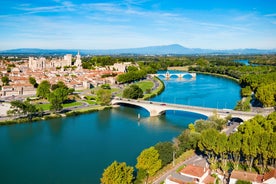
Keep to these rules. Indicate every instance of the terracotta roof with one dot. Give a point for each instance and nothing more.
(209, 179)
(270, 174)
(193, 170)
(247, 176)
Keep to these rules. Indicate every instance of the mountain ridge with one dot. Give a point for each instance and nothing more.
(172, 49)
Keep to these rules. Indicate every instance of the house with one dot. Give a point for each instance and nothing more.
(270, 177)
(245, 176)
(198, 173)
(191, 174)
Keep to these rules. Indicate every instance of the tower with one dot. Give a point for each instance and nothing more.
(78, 63)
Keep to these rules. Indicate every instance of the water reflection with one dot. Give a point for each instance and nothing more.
(56, 127)
(103, 119)
(24, 132)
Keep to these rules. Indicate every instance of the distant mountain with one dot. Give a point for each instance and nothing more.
(173, 49)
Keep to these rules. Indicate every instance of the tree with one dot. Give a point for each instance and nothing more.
(43, 89)
(208, 143)
(266, 94)
(23, 108)
(5, 80)
(234, 147)
(165, 150)
(105, 86)
(149, 161)
(33, 82)
(104, 96)
(133, 92)
(59, 84)
(117, 173)
(246, 91)
(56, 99)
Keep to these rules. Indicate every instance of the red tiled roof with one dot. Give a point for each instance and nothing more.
(247, 176)
(194, 170)
(270, 174)
(209, 179)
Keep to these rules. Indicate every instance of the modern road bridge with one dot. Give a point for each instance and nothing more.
(157, 108)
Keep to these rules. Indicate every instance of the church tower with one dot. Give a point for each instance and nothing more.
(78, 63)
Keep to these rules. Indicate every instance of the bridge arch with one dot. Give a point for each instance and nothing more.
(182, 111)
(128, 103)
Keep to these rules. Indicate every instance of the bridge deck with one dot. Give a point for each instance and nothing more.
(157, 108)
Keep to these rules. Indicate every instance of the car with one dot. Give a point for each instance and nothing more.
(163, 104)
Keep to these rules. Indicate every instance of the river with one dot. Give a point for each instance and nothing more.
(77, 149)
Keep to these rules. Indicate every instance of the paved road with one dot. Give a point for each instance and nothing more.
(197, 160)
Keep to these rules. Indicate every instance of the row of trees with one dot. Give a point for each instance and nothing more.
(253, 145)
(131, 76)
(92, 62)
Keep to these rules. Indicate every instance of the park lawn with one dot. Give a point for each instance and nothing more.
(46, 107)
(72, 104)
(91, 102)
(144, 85)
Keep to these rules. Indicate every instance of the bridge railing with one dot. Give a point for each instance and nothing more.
(188, 107)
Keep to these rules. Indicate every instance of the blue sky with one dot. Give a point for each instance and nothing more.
(88, 24)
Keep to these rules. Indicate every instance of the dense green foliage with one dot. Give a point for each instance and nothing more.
(149, 161)
(264, 60)
(43, 89)
(244, 104)
(33, 82)
(23, 108)
(165, 150)
(243, 182)
(56, 94)
(254, 143)
(5, 80)
(117, 173)
(131, 76)
(133, 92)
(92, 62)
(104, 96)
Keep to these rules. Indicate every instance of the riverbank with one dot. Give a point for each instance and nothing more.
(85, 110)
(157, 89)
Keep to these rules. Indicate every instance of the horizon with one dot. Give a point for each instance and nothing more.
(125, 24)
(107, 49)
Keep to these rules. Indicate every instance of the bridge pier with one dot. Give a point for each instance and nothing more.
(154, 113)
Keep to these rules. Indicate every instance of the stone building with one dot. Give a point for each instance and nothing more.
(43, 64)
(37, 64)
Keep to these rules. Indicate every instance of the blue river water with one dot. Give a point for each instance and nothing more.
(77, 149)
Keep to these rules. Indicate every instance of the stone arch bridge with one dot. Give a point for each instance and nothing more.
(157, 108)
(168, 75)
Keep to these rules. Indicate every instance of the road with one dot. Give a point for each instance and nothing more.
(198, 160)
